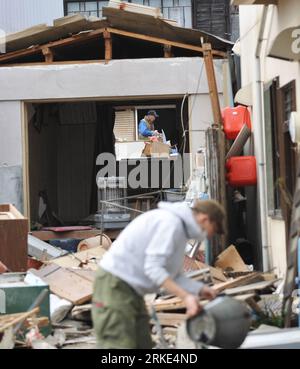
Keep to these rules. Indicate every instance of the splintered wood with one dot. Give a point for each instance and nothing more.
(244, 285)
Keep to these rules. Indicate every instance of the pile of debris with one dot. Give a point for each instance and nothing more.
(49, 305)
(231, 277)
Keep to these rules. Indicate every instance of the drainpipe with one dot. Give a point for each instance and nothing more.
(259, 137)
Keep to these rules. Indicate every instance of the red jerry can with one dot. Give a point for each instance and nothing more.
(241, 171)
(234, 119)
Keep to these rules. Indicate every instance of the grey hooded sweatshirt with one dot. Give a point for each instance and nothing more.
(152, 248)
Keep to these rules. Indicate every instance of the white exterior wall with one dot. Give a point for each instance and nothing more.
(120, 79)
(10, 133)
(123, 79)
(286, 14)
(16, 15)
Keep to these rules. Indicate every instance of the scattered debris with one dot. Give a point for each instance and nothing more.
(59, 308)
(42, 250)
(74, 285)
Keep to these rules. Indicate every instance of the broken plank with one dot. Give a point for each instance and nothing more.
(240, 281)
(171, 319)
(67, 283)
(88, 259)
(259, 286)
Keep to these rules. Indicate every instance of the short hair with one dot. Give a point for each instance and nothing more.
(214, 210)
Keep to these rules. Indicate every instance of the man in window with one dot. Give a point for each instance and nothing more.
(146, 125)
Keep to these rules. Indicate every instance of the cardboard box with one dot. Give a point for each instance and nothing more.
(156, 149)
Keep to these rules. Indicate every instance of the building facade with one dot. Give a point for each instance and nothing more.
(271, 87)
(16, 15)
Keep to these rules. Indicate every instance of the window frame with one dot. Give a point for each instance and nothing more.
(146, 3)
(287, 158)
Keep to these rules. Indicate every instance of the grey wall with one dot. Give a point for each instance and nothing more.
(16, 15)
(10, 133)
(11, 186)
(119, 78)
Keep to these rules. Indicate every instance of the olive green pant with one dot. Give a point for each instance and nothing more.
(119, 314)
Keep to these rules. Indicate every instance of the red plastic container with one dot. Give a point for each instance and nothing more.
(234, 119)
(241, 171)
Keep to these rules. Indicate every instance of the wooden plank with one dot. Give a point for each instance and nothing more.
(107, 45)
(13, 319)
(66, 62)
(171, 319)
(87, 258)
(254, 277)
(212, 83)
(66, 283)
(82, 37)
(168, 51)
(216, 273)
(48, 54)
(80, 235)
(259, 286)
(163, 41)
(231, 260)
(38, 49)
(175, 303)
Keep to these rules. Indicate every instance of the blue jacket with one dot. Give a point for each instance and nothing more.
(144, 130)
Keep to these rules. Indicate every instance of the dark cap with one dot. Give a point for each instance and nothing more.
(153, 112)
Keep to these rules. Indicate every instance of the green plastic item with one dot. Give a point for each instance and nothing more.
(18, 294)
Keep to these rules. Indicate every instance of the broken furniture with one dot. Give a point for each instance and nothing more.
(13, 238)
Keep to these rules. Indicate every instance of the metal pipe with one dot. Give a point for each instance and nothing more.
(259, 137)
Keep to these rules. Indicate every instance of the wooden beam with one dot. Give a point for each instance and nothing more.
(81, 37)
(163, 41)
(168, 51)
(108, 46)
(48, 54)
(212, 83)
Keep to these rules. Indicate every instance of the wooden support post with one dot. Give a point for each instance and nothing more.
(48, 54)
(168, 51)
(219, 174)
(212, 83)
(107, 46)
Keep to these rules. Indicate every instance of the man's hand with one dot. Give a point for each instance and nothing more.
(192, 305)
(207, 293)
